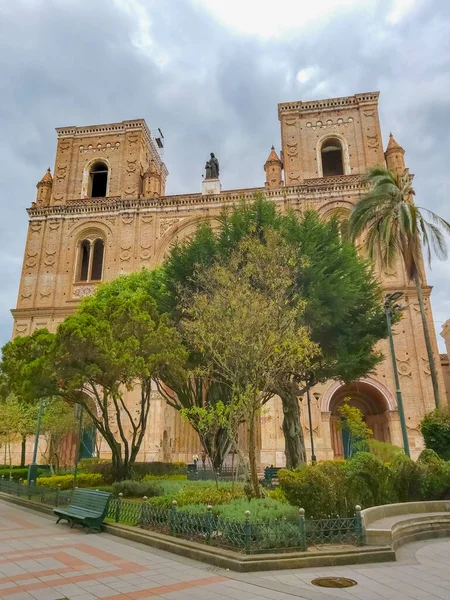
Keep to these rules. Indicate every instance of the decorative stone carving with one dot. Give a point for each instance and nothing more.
(404, 367)
(166, 224)
(127, 219)
(36, 226)
(145, 254)
(131, 166)
(54, 226)
(83, 290)
(426, 365)
(50, 259)
(61, 172)
(31, 259)
(125, 255)
(133, 138)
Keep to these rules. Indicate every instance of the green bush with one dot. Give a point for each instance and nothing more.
(308, 488)
(136, 489)
(16, 473)
(385, 451)
(261, 510)
(84, 480)
(367, 480)
(405, 480)
(429, 456)
(202, 493)
(435, 428)
(139, 469)
(165, 478)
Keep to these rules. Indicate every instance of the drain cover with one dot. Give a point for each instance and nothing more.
(334, 582)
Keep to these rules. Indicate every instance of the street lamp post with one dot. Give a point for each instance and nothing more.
(33, 468)
(79, 414)
(308, 396)
(388, 306)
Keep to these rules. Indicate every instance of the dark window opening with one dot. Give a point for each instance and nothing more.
(332, 163)
(99, 180)
(84, 255)
(97, 261)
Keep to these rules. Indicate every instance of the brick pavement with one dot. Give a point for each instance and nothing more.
(40, 560)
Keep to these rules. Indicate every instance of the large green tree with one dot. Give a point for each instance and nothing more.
(244, 320)
(395, 227)
(343, 301)
(115, 342)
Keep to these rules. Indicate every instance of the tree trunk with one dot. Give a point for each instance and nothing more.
(294, 442)
(23, 451)
(426, 331)
(252, 457)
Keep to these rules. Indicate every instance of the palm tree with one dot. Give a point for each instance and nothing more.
(396, 227)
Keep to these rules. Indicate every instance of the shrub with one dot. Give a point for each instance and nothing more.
(435, 480)
(84, 480)
(367, 480)
(136, 489)
(277, 494)
(385, 451)
(309, 488)
(165, 478)
(405, 480)
(261, 510)
(16, 473)
(139, 469)
(429, 456)
(202, 493)
(435, 428)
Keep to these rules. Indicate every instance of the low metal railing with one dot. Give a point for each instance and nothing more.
(245, 535)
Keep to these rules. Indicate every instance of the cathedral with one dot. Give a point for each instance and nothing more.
(104, 212)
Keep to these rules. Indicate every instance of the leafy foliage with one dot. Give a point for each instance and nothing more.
(244, 321)
(435, 428)
(136, 489)
(116, 341)
(84, 480)
(342, 299)
(395, 227)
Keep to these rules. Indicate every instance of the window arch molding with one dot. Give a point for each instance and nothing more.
(86, 185)
(90, 256)
(345, 155)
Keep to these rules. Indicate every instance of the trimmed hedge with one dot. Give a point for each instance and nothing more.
(139, 470)
(84, 480)
(16, 473)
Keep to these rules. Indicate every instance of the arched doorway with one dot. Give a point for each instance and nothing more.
(371, 401)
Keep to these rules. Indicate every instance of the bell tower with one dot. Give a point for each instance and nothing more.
(329, 138)
(105, 161)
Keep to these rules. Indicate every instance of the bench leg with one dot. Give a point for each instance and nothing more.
(59, 519)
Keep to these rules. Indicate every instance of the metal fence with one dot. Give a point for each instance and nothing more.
(247, 535)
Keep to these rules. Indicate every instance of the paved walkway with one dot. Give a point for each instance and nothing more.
(44, 561)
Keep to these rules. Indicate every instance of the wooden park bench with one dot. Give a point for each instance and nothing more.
(87, 507)
(270, 473)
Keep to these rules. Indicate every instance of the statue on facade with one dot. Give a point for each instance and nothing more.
(212, 168)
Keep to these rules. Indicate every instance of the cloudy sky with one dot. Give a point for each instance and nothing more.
(210, 73)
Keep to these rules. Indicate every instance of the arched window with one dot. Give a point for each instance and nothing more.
(332, 158)
(97, 260)
(98, 180)
(90, 259)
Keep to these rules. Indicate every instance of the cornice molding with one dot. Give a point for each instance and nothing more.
(310, 189)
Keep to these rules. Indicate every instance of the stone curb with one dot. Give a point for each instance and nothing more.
(227, 559)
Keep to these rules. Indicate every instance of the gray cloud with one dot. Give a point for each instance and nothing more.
(75, 62)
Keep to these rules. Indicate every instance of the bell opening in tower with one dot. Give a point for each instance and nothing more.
(332, 163)
(99, 180)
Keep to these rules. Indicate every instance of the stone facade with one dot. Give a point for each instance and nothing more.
(79, 236)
